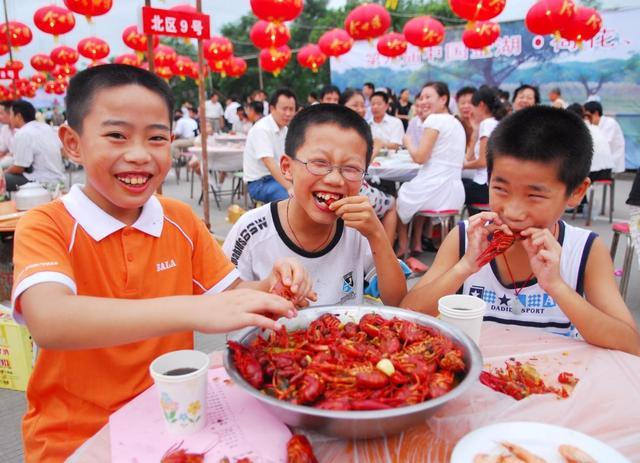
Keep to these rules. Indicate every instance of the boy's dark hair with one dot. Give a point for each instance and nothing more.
(348, 93)
(546, 135)
(536, 92)
(84, 86)
(465, 91)
(489, 96)
(504, 94)
(593, 107)
(326, 113)
(369, 85)
(576, 108)
(327, 89)
(381, 94)
(441, 88)
(273, 100)
(25, 109)
(257, 106)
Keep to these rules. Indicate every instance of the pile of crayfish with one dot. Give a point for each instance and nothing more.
(370, 365)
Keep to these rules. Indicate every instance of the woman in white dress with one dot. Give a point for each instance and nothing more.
(441, 152)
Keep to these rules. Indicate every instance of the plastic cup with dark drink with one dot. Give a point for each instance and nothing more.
(181, 380)
(464, 311)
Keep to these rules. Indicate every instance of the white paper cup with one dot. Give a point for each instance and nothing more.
(183, 394)
(464, 312)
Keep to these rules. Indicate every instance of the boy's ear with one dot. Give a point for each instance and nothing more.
(285, 167)
(575, 198)
(70, 143)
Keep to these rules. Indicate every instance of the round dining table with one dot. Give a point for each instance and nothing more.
(396, 167)
(604, 404)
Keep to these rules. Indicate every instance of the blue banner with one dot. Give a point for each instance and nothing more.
(606, 67)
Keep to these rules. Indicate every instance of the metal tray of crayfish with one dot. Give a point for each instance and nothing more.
(359, 424)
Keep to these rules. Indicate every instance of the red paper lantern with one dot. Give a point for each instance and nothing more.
(277, 10)
(89, 8)
(335, 42)
(93, 48)
(63, 71)
(311, 57)
(182, 66)
(42, 62)
(48, 86)
(481, 34)
(266, 35)
(549, 16)
(127, 58)
(64, 55)
(217, 48)
(234, 66)
(477, 10)
(54, 20)
(20, 34)
(367, 21)
(134, 39)
(275, 60)
(164, 56)
(584, 25)
(184, 8)
(59, 87)
(392, 44)
(4, 49)
(16, 65)
(39, 78)
(424, 31)
(164, 72)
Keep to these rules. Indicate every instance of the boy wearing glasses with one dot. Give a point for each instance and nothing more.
(334, 232)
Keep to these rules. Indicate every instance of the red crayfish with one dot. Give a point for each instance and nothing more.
(500, 242)
(370, 365)
(177, 454)
(282, 290)
(299, 450)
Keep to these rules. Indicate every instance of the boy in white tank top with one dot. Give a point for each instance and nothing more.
(555, 276)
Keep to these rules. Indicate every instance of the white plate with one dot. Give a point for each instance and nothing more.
(539, 438)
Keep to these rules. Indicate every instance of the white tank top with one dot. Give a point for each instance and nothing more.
(537, 309)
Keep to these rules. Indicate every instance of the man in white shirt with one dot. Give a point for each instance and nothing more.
(265, 146)
(231, 111)
(255, 111)
(612, 131)
(387, 131)
(185, 132)
(213, 112)
(36, 147)
(6, 135)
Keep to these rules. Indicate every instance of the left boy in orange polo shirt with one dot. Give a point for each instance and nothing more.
(105, 277)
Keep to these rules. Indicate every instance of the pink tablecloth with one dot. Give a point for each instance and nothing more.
(605, 404)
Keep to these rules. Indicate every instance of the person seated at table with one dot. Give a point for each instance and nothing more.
(37, 151)
(555, 276)
(387, 130)
(255, 111)
(384, 204)
(185, 133)
(243, 124)
(438, 185)
(487, 110)
(265, 147)
(106, 278)
(325, 223)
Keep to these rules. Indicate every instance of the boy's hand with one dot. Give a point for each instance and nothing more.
(480, 227)
(291, 274)
(238, 308)
(544, 252)
(357, 212)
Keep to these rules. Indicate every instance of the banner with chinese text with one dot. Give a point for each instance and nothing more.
(606, 67)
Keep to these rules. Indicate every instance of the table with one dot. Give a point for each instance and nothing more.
(8, 218)
(604, 405)
(393, 168)
(222, 158)
(229, 138)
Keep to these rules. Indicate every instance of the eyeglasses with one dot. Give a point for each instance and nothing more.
(319, 167)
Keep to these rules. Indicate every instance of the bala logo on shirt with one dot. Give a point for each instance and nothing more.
(166, 265)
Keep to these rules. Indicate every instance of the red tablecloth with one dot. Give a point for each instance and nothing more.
(605, 404)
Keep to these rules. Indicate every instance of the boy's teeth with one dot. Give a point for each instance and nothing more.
(133, 180)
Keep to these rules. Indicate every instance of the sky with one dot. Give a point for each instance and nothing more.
(125, 12)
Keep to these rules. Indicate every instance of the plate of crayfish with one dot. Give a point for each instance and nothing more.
(355, 372)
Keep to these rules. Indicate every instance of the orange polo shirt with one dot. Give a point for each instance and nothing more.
(167, 252)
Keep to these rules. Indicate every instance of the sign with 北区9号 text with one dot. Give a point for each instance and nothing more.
(8, 73)
(176, 23)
